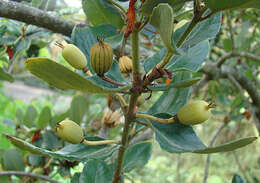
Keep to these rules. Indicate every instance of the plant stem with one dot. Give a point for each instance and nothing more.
(27, 174)
(112, 81)
(102, 142)
(160, 120)
(129, 116)
(194, 22)
(124, 141)
(135, 52)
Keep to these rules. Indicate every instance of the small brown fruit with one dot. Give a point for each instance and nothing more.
(111, 118)
(194, 113)
(101, 57)
(70, 131)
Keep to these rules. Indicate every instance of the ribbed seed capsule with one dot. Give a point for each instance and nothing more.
(101, 57)
(125, 64)
(74, 56)
(70, 131)
(111, 118)
(195, 112)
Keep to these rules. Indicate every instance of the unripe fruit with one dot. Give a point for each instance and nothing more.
(125, 64)
(101, 57)
(194, 113)
(38, 170)
(74, 56)
(70, 131)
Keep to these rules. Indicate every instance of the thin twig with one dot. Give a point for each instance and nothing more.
(249, 105)
(229, 24)
(207, 16)
(29, 175)
(224, 58)
(112, 81)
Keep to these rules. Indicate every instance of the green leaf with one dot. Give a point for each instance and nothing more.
(3, 29)
(75, 178)
(173, 99)
(237, 179)
(191, 60)
(6, 76)
(179, 138)
(162, 19)
(44, 118)
(64, 171)
(102, 12)
(204, 30)
(137, 156)
(148, 6)
(175, 84)
(36, 3)
(5, 144)
(30, 116)
(230, 146)
(220, 5)
(21, 46)
(19, 115)
(50, 141)
(96, 171)
(115, 41)
(62, 78)
(35, 160)
(72, 152)
(12, 160)
(78, 108)
(59, 117)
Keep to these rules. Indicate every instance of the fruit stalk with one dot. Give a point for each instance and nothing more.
(160, 120)
(102, 142)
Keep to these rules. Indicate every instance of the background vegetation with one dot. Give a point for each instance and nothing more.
(30, 108)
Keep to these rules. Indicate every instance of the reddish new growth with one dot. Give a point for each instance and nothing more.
(36, 136)
(10, 52)
(130, 18)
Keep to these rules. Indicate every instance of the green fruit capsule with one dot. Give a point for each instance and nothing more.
(70, 131)
(38, 170)
(74, 56)
(101, 57)
(195, 113)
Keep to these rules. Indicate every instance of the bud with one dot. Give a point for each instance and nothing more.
(73, 55)
(101, 57)
(195, 112)
(111, 118)
(70, 131)
(125, 64)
